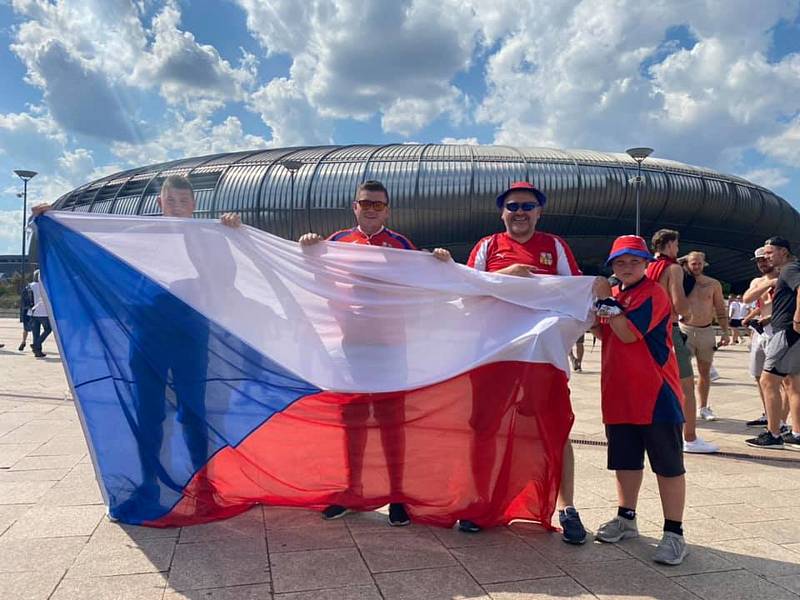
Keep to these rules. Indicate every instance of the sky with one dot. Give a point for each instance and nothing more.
(91, 87)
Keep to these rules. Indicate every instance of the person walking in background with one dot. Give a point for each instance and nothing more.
(25, 305)
(705, 303)
(39, 317)
(666, 271)
(782, 352)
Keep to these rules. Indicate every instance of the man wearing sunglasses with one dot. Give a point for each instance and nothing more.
(522, 251)
(371, 210)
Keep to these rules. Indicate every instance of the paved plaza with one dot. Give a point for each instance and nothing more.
(742, 521)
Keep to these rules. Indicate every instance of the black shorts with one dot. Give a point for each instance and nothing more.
(662, 441)
(736, 322)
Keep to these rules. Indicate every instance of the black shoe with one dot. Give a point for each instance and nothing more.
(767, 441)
(39, 354)
(574, 531)
(334, 511)
(791, 441)
(759, 422)
(785, 429)
(21, 347)
(398, 517)
(468, 526)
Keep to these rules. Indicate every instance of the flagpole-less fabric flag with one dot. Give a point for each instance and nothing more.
(217, 368)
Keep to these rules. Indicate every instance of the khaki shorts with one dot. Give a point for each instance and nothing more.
(682, 353)
(700, 341)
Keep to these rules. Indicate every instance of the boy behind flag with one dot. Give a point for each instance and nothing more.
(641, 397)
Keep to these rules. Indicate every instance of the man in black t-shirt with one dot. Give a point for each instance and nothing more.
(782, 353)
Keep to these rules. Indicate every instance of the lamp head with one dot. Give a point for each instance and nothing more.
(639, 154)
(25, 175)
(292, 165)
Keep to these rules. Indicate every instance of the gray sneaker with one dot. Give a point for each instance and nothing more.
(671, 550)
(618, 528)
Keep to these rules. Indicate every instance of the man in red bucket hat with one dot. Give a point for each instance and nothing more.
(642, 402)
(523, 251)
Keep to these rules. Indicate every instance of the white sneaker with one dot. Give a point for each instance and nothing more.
(713, 374)
(699, 446)
(671, 550)
(707, 414)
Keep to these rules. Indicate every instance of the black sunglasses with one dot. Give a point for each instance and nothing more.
(525, 206)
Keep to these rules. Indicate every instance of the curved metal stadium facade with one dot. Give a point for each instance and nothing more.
(443, 195)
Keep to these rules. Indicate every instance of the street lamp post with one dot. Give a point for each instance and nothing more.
(25, 176)
(293, 166)
(638, 154)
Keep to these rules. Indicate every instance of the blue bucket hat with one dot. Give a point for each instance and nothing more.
(522, 186)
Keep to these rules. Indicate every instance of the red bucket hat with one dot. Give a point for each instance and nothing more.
(522, 186)
(629, 244)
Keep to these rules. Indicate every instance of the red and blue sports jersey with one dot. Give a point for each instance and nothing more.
(384, 237)
(639, 381)
(548, 254)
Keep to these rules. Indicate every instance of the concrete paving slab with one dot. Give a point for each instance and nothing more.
(733, 584)
(626, 579)
(103, 558)
(28, 586)
(60, 461)
(56, 521)
(9, 514)
(327, 534)
(111, 532)
(539, 589)
(453, 538)
(239, 592)
(403, 551)
(23, 492)
(760, 556)
(219, 564)
(56, 554)
(277, 517)
(431, 584)
(558, 551)
(11, 453)
(145, 586)
(507, 562)
(246, 526)
(317, 570)
(359, 592)
(699, 560)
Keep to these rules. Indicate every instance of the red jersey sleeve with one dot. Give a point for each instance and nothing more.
(567, 265)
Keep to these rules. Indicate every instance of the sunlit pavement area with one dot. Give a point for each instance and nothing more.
(742, 521)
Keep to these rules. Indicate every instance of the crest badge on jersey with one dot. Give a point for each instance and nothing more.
(545, 258)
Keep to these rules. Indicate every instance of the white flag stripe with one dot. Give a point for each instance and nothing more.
(347, 317)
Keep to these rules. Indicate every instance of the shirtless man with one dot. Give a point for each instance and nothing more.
(759, 319)
(705, 302)
(666, 271)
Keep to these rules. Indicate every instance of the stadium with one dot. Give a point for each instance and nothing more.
(443, 195)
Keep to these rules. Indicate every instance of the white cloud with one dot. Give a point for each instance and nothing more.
(185, 69)
(86, 54)
(189, 136)
(353, 58)
(569, 75)
(470, 141)
(785, 145)
(294, 122)
(10, 231)
(770, 178)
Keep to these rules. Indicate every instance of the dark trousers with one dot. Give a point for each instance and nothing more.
(186, 376)
(41, 329)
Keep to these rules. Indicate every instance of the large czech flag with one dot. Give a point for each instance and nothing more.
(217, 368)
